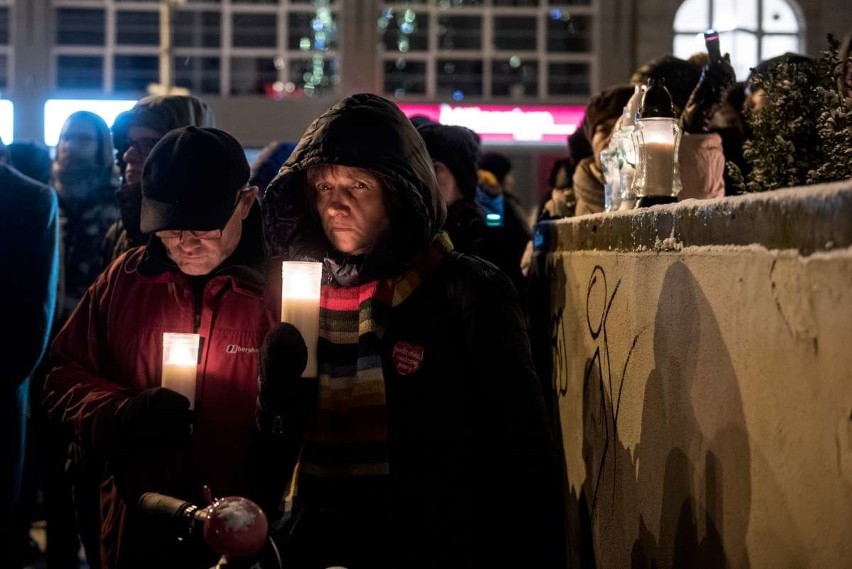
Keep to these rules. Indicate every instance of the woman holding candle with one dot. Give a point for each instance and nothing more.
(118, 372)
(430, 446)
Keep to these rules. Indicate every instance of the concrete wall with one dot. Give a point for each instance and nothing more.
(702, 360)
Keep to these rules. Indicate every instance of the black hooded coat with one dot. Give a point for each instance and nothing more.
(473, 478)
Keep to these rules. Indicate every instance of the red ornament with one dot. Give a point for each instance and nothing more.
(235, 527)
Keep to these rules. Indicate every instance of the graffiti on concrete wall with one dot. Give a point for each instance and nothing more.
(599, 367)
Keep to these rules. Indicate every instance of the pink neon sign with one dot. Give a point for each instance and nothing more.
(506, 123)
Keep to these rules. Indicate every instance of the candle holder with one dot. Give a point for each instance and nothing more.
(623, 141)
(300, 304)
(612, 178)
(656, 139)
(180, 364)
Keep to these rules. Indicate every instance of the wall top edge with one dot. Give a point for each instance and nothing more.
(809, 219)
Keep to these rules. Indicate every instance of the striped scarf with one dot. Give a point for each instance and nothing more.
(350, 435)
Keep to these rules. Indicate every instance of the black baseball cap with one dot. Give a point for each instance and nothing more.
(190, 180)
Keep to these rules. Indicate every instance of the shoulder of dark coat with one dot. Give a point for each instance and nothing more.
(471, 283)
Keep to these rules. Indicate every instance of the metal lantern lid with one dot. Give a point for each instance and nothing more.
(656, 102)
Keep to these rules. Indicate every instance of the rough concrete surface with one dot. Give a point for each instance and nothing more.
(702, 357)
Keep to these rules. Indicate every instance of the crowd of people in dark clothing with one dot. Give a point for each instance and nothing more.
(425, 440)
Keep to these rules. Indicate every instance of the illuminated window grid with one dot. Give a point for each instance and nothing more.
(225, 51)
(750, 30)
(488, 54)
(7, 59)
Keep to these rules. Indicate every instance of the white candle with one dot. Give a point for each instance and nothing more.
(180, 364)
(659, 168)
(300, 304)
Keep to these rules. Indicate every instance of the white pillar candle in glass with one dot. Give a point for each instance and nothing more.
(180, 363)
(657, 140)
(300, 304)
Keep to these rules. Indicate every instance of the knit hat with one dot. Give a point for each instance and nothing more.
(497, 164)
(457, 149)
(606, 105)
(191, 179)
(163, 113)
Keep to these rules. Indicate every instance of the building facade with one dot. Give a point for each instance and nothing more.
(268, 67)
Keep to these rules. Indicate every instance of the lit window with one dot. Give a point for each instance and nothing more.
(464, 50)
(750, 30)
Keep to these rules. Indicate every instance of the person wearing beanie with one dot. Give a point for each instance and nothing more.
(454, 151)
(201, 272)
(134, 134)
(602, 112)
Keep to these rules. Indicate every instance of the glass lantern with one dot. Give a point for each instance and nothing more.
(656, 140)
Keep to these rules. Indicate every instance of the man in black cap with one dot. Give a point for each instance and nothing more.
(200, 273)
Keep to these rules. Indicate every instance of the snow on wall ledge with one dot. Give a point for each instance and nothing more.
(700, 356)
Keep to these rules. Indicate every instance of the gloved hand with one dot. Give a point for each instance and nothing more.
(284, 396)
(717, 79)
(286, 406)
(155, 417)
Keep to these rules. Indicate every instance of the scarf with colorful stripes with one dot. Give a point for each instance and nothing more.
(350, 435)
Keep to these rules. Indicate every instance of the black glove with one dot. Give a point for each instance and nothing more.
(287, 403)
(717, 80)
(155, 417)
(285, 396)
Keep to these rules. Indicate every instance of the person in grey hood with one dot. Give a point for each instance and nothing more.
(430, 445)
(135, 132)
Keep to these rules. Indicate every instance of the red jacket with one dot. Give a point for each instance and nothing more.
(111, 348)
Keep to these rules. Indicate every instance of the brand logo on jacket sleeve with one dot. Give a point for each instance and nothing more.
(407, 358)
(237, 349)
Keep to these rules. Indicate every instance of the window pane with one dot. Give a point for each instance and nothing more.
(773, 45)
(685, 45)
(514, 78)
(459, 78)
(778, 16)
(404, 77)
(198, 74)
(743, 49)
(315, 76)
(137, 28)
(401, 33)
(516, 2)
(307, 32)
(4, 67)
(79, 72)
(136, 72)
(4, 26)
(569, 2)
(568, 79)
(693, 16)
(255, 30)
(459, 32)
(735, 14)
(79, 27)
(197, 29)
(252, 75)
(571, 35)
(514, 33)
